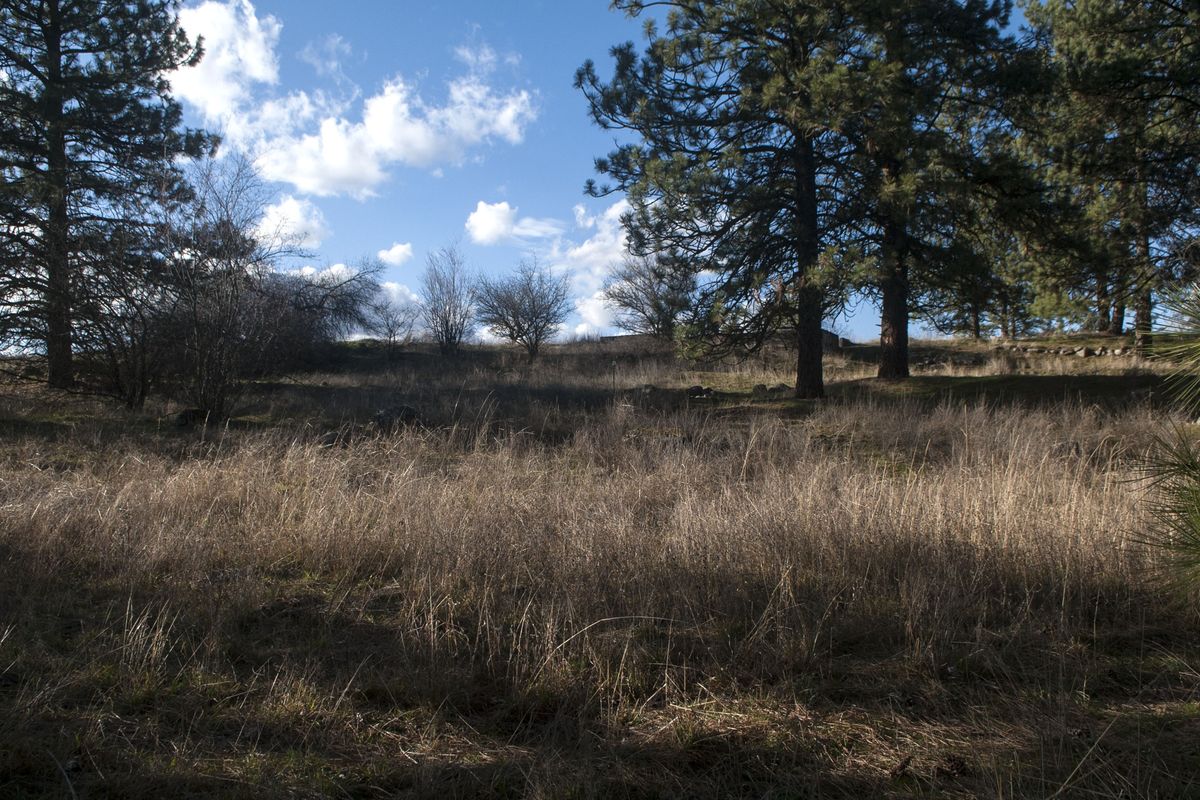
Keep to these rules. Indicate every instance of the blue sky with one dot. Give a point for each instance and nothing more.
(393, 128)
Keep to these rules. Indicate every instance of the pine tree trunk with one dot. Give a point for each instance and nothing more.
(810, 347)
(1118, 318)
(1103, 306)
(1143, 310)
(976, 325)
(893, 328)
(59, 366)
(893, 322)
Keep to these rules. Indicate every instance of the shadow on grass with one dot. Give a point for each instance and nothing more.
(1115, 391)
(298, 685)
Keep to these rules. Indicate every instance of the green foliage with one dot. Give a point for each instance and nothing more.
(1174, 466)
(90, 140)
(1174, 505)
(1118, 137)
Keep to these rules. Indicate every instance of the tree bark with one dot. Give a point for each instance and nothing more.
(810, 347)
(1103, 305)
(1118, 318)
(893, 322)
(1143, 312)
(59, 358)
(1143, 308)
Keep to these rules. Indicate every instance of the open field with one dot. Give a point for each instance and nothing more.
(576, 581)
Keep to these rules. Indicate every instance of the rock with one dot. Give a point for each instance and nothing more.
(1118, 351)
(759, 392)
(393, 417)
(782, 389)
(1085, 352)
(699, 392)
(190, 417)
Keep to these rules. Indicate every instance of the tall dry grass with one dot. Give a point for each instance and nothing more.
(876, 597)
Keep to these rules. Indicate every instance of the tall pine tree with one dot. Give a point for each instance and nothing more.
(924, 67)
(735, 171)
(89, 135)
(1123, 135)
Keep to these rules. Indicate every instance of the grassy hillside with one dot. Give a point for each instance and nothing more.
(575, 580)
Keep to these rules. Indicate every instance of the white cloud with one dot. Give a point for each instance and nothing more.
(591, 262)
(325, 56)
(398, 127)
(294, 221)
(397, 254)
(492, 223)
(398, 293)
(239, 51)
(596, 314)
(313, 140)
(478, 59)
(332, 273)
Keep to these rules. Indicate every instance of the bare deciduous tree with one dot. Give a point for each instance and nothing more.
(650, 295)
(525, 308)
(448, 299)
(394, 319)
(234, 316)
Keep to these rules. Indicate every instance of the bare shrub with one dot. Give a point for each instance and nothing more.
(394, 318)
(448, 299)
(233, 316)
(526, 308)
(651, 294)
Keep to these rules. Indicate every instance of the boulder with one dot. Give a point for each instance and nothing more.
(191, 417)
(393, 417)
(699, 392)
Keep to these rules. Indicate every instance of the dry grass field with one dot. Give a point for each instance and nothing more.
(564, 583)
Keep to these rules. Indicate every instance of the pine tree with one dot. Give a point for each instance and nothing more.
(933, 74)
(737, 108)
(88, 140)
(1124, 133)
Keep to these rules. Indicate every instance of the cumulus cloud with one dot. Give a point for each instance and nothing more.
(239, 52)
(397, 127)
(591, 262)
(319, 143)
(595, 313)
(294, 221)
(398, 293)
(492, 223)
(397, 254)
(333, 273)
